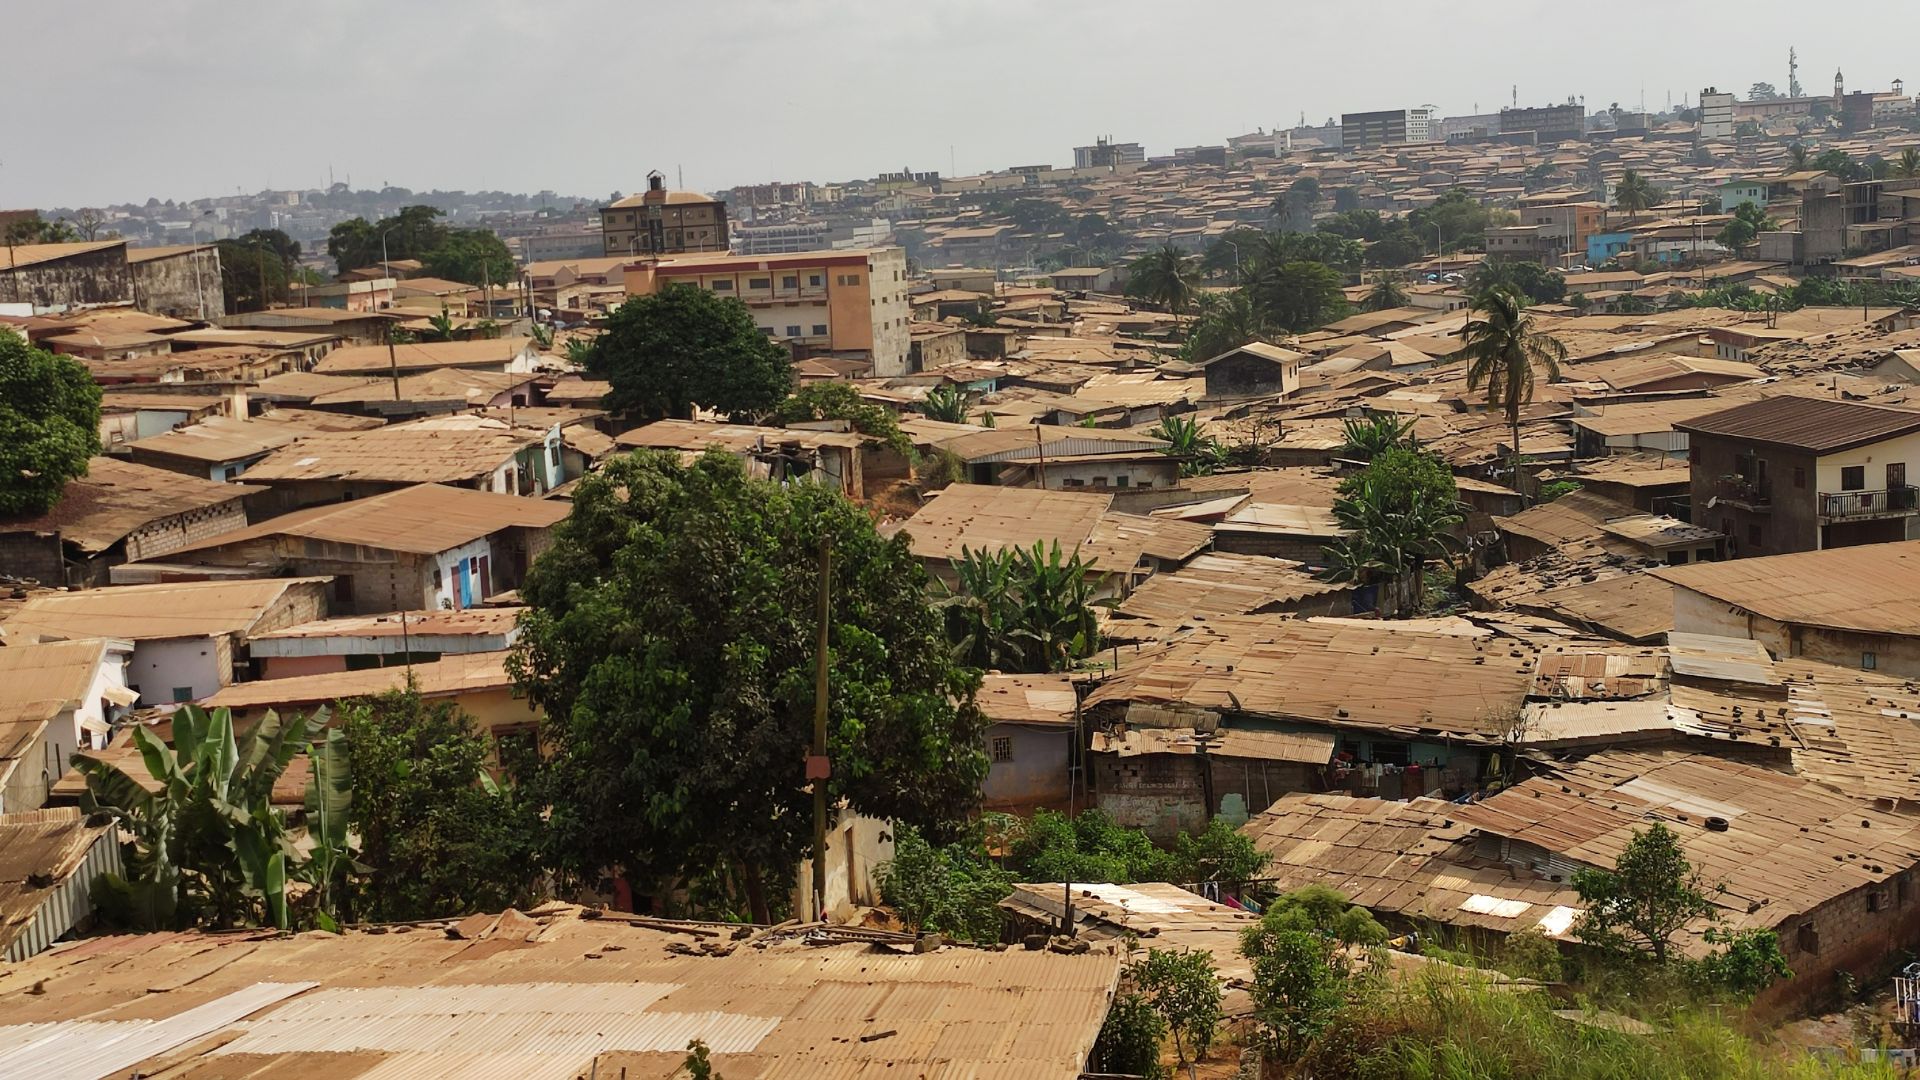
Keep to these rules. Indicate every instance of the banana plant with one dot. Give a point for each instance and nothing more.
(329, 800)
(208, 844)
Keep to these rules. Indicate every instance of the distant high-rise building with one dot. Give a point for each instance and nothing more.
(1549, 124)
(1106, 154)
(662, 222)
(1716, 114)
(1387, 127)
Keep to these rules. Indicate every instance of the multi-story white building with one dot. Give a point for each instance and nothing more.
(1716, 114)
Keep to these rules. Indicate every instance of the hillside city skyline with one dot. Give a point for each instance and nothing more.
(920, 101)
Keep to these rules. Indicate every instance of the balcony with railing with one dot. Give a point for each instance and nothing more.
(1752, 493)
(1847, 505)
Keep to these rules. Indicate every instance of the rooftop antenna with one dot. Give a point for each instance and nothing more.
(680, 177)
(1793, 73)
(1516, 95)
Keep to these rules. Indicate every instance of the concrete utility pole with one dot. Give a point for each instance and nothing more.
(819, 769)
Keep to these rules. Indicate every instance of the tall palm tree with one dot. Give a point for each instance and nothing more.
(1224, 321)
(1908, 167)
(1386, 294)
(1797, 155)
(1634, 194)
(1503, 349)
(1166, 277)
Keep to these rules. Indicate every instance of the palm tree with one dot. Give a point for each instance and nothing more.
(1377, 434)
(945, 403)
(442, 326)
(1633, 193)
(1386, 294)
(1908, 167)
(1224, 321)
(1798, 156)
(1389, 541)
(1503, 349)
(1199, 454)
(1165, 277)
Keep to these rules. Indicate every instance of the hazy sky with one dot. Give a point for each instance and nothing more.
(115, 100)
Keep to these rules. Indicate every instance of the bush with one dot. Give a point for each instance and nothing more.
(953, 890)
(1530, 954)
(1129, 1042)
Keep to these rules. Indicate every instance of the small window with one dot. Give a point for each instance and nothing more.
(1159, 769)
(793, 331)
(819, 329)
(1869, 661)
(1073, 483)
(759, 283)
(1853, 478)
(183, 693)
(1676, 558)
(343, 588)
(1119, 481)
(813, 281)
(1876, 900)
(790, 281)
(1002, 749)
(1807, 938)
(1755, 536)
(767, 330)
(723, 286)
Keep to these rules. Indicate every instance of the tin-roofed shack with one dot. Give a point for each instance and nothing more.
(1830, 874)
(119, 512)
(1032, 736)
(421, 547)
(189, 637)
(1856, 607)
(553, 995)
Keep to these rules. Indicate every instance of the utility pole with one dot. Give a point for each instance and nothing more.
(393, 360)
(819, 769)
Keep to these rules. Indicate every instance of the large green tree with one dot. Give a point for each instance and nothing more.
(472, 257)
(684, 346)
(34, 229)
(49, 425)
(1298, 296)
(1224, 321)
(1455, 221)
(439, 836)
(1531, 280)
(1504, 349)
(256, 268)
(670, 639)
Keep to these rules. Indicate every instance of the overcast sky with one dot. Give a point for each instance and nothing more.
(123, 99)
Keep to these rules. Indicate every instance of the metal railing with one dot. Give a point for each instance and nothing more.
(1757, 494)
(1847, 504)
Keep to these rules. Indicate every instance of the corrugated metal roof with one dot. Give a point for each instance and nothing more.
(177, 609)
(424, 519)
(1873, 588)
(1820, 425)
(553, 996)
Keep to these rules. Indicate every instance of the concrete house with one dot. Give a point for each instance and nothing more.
(1031, 741)
(55, 698)
(1253, 370)
(423, 547)
(1855, 607)
(333, 466)
(189, 637)
(1788, 474)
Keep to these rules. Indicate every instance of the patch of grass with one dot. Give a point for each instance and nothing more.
(1453, 1026)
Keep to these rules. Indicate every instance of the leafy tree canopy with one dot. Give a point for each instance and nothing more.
(833, 400)
(949, 890)
(1643, 903)
(1400, 474)
(684, 346)
(49, 425)
(670, 640)
(438, 835)
(33, 229)
(1529, 279)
